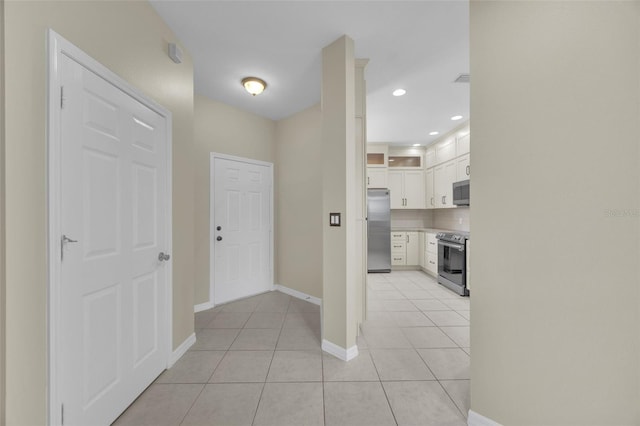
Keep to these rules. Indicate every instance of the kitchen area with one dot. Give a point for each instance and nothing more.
(418, 209)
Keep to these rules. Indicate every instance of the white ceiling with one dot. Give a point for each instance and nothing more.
(421, 46)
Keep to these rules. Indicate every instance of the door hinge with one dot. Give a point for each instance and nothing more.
(61, 97)
(62, 414)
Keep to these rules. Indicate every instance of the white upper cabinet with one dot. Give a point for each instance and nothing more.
(376, 177)
(430, 157)
(414, 192)
(377, 155)
(463, 144)
(463, 167)
(430, 190)
(445, 175)
(396, 189)
(406, 189)
(445, 150)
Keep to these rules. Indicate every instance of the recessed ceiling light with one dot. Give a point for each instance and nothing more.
(416, 144)
(399, 92)
(433, 133)
(456, 117)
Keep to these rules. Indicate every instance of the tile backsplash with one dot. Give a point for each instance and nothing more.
(452, 219)
(411, 218)
(455, 219)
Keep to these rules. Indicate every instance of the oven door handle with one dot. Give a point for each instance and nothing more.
(458, 247)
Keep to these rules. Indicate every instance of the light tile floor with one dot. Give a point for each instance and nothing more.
(258, 362)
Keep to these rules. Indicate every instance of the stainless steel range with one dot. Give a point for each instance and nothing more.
(452, 261)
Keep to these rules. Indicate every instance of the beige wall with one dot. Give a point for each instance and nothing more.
(299, 177)
(338, 191)
(2, 245)
(555, 106)
(131, 40)
(227, 130)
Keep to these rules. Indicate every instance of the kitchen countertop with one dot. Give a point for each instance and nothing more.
(434, 230)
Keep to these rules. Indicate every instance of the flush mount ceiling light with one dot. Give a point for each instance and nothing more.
(433, 133)
(416, 144)
(456, 117)
(399, 92)
(254, 85)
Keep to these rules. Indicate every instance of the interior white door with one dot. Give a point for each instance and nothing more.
(113, 334)
(241, 229)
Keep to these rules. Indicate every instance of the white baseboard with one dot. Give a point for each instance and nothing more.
(339, 352)
(476, 419)
(182, 349)
(297, 294)
(202, 307)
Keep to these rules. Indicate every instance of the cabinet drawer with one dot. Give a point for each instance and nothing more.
(398, 236)
(398, 247)
(432, 244)
(432, 263)
(398, 259)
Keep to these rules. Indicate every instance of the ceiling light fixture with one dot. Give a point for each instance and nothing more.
(399, 92)
(433, 133)
(456, 117)
(254, 85)
(416, 144)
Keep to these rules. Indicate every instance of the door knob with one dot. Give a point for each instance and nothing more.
(219, 238)
(162, 257)
(219, 228)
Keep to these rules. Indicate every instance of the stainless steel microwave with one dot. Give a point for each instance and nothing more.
(461, 193)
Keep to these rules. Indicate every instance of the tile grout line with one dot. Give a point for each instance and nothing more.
(264, 384)
(382, 386)
(193, 403)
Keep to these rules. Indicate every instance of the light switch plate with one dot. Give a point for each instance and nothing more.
(334, 219)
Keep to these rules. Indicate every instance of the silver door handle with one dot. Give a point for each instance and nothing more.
(64, 240)
(444, 199)
(432, 201)
(468, 170)
(368, 180)
(162, 257)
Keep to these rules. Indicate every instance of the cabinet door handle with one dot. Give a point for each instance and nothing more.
(369, 180)
(444, 199)
(432, 201)
(407, 237)
(468, 169)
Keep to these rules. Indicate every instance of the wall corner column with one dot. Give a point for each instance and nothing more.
(339, 310)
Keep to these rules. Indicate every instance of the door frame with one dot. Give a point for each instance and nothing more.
(212, 219)
(57, 48)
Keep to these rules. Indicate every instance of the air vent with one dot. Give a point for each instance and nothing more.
(462, 78)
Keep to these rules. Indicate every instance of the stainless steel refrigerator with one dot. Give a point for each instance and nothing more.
(378, 230)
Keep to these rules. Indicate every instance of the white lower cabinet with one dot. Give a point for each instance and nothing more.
(431, 253)
(405, 249)
(413, 248)
(422, 244)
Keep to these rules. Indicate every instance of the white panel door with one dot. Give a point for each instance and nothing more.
(113, 334)
(414, 191)
(242, 229)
